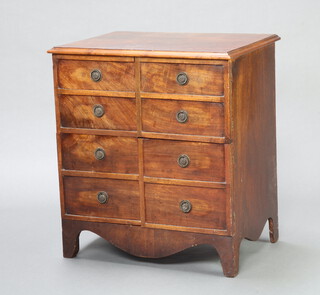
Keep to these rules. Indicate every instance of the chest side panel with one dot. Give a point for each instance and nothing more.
(254, 141)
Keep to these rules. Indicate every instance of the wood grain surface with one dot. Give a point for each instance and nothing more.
(255, 172)
(206, 160)
(121, 153)
(77, 112)
(208, 206)
(116, 76)
(161, 77)
(168, 45)
(81, 197)
(152, 243)
(204, 118)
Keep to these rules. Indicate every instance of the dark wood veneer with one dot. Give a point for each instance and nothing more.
(75, 74)
(204, 118)
(78, 112)
(206, 160)
(78, 153)
(202, 79)
(208, 206)
(81, 197)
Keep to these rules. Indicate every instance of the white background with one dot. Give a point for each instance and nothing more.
(30, 237)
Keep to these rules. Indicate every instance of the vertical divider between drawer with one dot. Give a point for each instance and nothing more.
(141, 182)
(140, 140)
(138, 97)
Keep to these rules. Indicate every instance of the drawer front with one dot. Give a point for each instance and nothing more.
(183, 117)
(78, 74)
(185, 206)
(184, 160)
(98, 112)
(201, 79)
(99, 153)
(97, 197)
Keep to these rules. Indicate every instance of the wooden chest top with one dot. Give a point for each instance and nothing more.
(175, 45)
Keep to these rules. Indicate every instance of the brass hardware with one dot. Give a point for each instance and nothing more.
(98, 110)
(183, 161)
(96, 75)
(182, 78)
(102, 197)
(182, 116)
(99, 154)
(185, 206)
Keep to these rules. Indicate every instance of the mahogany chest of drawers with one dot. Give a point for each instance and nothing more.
(167, 141)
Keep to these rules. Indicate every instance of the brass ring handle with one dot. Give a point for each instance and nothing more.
(185, 206)
(182, 116)
(96, 75)
(98, 110)
(182, 79)
(183, 161)
(102, 197)
(99, 154)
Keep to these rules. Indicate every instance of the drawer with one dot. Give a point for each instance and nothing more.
(96, 75)
(98, 112)
(97, 197)
(194, 79)
(184, 160)
(99, 153)
(169, 204)
(183, 117)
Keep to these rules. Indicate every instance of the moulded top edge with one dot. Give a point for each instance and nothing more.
(168, 45)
